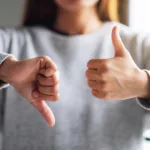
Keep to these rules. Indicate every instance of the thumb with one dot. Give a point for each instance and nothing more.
(119, 47)
(45, 111)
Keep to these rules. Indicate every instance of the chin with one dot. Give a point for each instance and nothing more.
(75, 4)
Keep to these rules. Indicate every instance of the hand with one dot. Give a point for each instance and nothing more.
(35, 79)
(119, 77)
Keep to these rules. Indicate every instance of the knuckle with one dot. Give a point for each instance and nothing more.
(89, 63)
(94, 94)
(104, 87)
(33, 102)
(97, 86)
(107, 96)
(106, 66)
(89, 84)
(54, 90)
(104, 95)
(54, 79)
(103, 76)
(106, 70)
(51, 98)
(56, 97)
(45, 57)
(87, 73)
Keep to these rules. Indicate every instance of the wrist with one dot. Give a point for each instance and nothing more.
(6, 69)
(145, 85)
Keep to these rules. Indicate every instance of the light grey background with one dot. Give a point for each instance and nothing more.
(11, 12)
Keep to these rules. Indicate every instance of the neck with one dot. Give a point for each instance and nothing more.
(77, 22)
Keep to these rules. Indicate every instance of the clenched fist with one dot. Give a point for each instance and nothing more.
(117, 78)
(35, 79)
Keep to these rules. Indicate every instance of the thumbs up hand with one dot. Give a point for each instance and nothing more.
(117, 78)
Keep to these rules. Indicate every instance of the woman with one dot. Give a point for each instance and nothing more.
(76, 35)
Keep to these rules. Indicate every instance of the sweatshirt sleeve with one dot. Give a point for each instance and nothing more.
(5, 48)
(145, 103)
(15, 42)
(3, 57)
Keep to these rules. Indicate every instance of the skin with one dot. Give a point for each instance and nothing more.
(77, 16)
(114, 79)
(23, 74)
(117, 78)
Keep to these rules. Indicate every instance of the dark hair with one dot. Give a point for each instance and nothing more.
(44, 12)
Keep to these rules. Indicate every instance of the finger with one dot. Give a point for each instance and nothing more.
(94, 75)
(48, 90)
(37, 95)
(48, 72)
(45, 111)
(97, 85)
(97, 63)
(98, 94)
(47, 81)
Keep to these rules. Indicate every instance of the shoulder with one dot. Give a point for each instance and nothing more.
(20, 40)
(130, 37)
(21, 31)
(20, 35)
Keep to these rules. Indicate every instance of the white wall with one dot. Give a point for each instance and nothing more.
(139, 15)
(11, 12)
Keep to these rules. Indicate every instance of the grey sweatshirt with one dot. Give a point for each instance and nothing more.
(83, 122)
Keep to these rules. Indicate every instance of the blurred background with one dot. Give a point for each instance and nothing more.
(11, 12)
(134, 13)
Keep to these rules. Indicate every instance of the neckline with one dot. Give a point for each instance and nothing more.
(97, 33)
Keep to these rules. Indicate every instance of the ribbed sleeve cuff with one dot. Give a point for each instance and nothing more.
(143, 102)
(3, 57)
